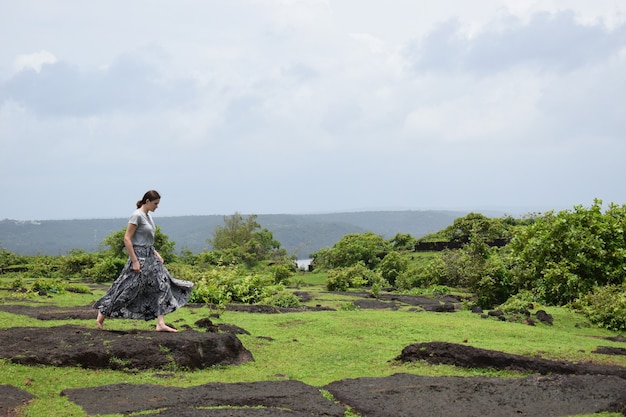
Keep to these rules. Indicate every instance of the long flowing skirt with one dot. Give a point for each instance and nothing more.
(146, 294)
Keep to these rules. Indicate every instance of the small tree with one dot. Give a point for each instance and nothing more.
(563, 256)
(392, 266)
(366, 248)
(403, 241)
(476, 224)
(243, 239)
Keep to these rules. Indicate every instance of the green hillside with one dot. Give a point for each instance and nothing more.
(299, 234)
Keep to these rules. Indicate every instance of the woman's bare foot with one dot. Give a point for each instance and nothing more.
(165, 328)
(100, 320)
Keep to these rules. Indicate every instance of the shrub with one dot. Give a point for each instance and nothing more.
(282, 299)
(43, 267)
(340, 279)
(17, 283)
(48, 286)
(440, 290)
(605, 306)
(562, 256)
(222, 285)
(282, 272)
(447, 268)
(392, 265)
(77, 263)
(367, 249)
(414, 277)
(77, 288)
(8, 259)
(523, 300)
(106, 269)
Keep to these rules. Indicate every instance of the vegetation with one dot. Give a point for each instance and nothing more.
(574, 258)
(315, 348)
(300, 234)
(240, 240)
(573, 262)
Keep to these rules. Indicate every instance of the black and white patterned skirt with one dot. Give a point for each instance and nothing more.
(146, 294)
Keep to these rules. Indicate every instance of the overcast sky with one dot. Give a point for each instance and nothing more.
(309, 106)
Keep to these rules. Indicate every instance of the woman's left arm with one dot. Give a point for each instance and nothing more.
(158, 256)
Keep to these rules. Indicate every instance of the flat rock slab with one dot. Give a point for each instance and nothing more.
(90, 348)
(535, 396)
(277, 398)
(471, 357)
(228, 412)
(12, 398)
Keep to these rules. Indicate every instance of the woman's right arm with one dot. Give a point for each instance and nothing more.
(128, 244)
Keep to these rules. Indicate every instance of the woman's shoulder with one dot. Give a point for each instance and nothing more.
(135, 217)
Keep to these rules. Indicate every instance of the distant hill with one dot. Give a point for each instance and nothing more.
(300, 234)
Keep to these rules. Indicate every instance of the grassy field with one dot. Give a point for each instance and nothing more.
(313, 347)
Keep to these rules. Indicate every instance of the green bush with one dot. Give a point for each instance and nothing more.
(605, 306)
(562, 256)
(523, 300)
(77, 288)
(43, 267)
(357, 276)
(106, 269)
(184, 271)
(48, 286)
(414, 277)
(282, 272)
(77, 263)
(440, 290)
(366, 248)
(392, 266)
(9, 259)
(283, 299)
(447, 268)
(222, 285)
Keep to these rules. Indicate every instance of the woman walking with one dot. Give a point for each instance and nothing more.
(145, 289)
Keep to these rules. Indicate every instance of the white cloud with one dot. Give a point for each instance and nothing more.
(239, 103)
(33, 61)
(547, 42)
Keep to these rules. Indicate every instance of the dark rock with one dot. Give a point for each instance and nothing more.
(472, 357)
(533, 396)
(293, 396)
(11, 398)
(91, 348)
(544, 317)
(608, 350)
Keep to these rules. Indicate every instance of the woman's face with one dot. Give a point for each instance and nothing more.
(153, 205)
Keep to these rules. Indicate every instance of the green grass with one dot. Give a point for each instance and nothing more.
(313, 347)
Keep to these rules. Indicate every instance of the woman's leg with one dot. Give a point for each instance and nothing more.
(100, 320)
(162, 327)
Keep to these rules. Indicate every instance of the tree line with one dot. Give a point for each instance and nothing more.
(574, 258)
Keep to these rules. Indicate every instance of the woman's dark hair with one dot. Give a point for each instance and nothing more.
(149, 195)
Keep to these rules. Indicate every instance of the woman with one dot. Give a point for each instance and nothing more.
(145, 289)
